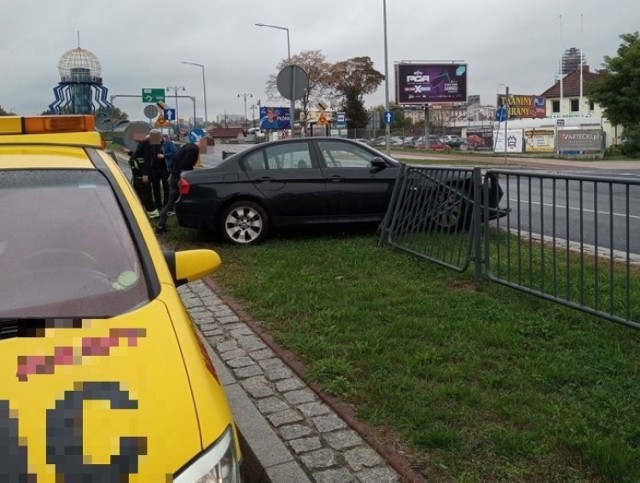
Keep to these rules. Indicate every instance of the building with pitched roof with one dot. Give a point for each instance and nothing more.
(570, 103)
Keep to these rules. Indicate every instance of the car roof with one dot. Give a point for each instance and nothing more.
(47, 141)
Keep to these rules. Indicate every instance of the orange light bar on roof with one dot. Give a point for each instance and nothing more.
(57, 124)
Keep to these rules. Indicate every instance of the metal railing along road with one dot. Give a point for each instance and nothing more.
(570, 239)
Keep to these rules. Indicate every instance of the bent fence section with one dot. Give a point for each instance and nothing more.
(570, 239)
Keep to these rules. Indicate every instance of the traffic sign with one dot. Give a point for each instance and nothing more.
(322, 119)
(501, 114)
(196, 134)
(341, 120)
(151, 95)
(150, 111)
(170, 114)
(388, 117)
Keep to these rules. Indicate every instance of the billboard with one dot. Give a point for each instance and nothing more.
(581, 140)
(479, 139)
(424, 83)
(275, 117)
(539, 140)
(524, 106)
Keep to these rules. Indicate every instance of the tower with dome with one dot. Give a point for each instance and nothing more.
(80, 90)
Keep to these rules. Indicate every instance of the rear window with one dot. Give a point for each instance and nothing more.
(65, 248)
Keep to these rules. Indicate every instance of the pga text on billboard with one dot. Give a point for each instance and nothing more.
(425, 83)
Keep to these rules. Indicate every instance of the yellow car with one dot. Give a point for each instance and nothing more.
(103, 376)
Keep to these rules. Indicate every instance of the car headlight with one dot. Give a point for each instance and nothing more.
(218, 464)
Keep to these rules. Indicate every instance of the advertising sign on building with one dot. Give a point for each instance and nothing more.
(424, 83)
(539, 141)
(275, 117)
(480, 139)
(580, 140)
(524, 106)
(514, 141)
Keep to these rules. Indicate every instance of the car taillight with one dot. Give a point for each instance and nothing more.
(185, 187)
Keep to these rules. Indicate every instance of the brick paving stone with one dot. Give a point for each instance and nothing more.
(271, 405)
(226, 346)
(248, 371)
(322, 458)
(343, 439)
(300, 397)
(289, 384)
(287, 416)
(257, 387)
(338, 475)
(251, 343)
(314, 409)
(242, 361)
(325, 424)
(199, 309)
(294, 431)
(378, 475)
(304, 445)
(241, 331)
(234, 354)
(226, 319)
(362, 457)
(261, 355)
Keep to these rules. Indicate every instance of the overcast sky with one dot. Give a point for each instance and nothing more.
(141, 43)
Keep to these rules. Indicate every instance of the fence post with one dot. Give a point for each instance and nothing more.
(477, 225)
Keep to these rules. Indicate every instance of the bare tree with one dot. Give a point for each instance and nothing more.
(314, 63)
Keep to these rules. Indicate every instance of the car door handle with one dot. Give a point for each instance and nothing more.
(335, 179)
(265, 179)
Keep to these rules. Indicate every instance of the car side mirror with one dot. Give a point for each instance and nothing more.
(378, 163)
(190, 265)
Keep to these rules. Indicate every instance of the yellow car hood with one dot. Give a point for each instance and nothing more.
(107, 398)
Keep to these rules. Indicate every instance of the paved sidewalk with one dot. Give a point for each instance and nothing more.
(289, 432)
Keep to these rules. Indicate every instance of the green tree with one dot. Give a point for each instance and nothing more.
(618, 92)
(400, 120)
(351, 80)
(6, 113)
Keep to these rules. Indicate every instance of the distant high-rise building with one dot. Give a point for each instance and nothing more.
(572, 59)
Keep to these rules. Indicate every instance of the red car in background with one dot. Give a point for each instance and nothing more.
(474, 141)
(435, 144)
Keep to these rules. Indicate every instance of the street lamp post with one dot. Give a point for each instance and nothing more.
(386, 79)
(204, 89)
(253, 114)
(245, 105)
(175, 90)
(293, 101)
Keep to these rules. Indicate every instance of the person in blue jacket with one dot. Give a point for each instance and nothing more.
(170, 149)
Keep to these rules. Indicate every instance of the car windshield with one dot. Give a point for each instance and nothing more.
(65, 247)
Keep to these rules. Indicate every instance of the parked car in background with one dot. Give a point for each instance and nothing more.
(474, 142)
(435, 144)
(366, 141)
(294, 182)
(452, 140)
(103, 376)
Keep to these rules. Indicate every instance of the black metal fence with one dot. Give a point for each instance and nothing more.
(570, 239)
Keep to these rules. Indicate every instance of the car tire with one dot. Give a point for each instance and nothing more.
(453, 210)
(244, 223)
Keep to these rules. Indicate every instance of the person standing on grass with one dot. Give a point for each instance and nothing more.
(185, 160)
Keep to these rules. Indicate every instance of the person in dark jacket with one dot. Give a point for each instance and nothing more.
(154, 169)
(141, 187)
(185, 160)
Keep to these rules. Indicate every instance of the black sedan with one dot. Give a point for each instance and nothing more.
(293, 182)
